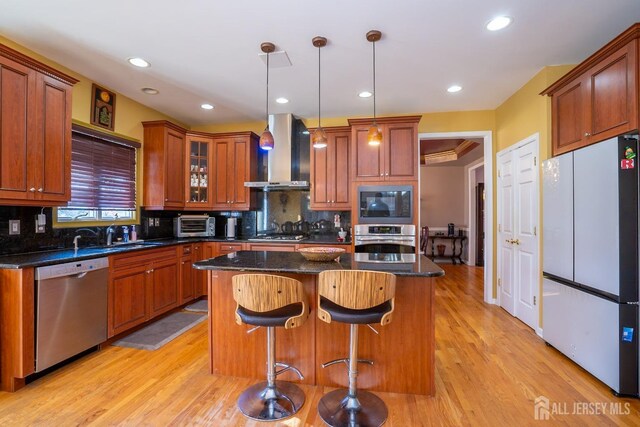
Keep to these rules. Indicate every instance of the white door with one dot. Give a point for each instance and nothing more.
(506, 232)
(526, 239)
(518, 219)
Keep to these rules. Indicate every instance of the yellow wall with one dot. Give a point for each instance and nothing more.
(526, 112)
(523, 114)
(129, 113)
(129, 116)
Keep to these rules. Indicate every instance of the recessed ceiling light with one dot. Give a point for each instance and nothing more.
(499, 22)
(138, 62)
(150, 91)
(365, 94)
(282, 100)
(206, 107)
(454, 89)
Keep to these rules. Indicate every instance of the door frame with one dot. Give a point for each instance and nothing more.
(487, 137)
(472, 256)
(535, 140)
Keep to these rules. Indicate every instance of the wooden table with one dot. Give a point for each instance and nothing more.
(453, 255)
(404, 352)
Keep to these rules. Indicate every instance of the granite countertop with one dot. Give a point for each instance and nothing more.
(293, 262)
(39, 259)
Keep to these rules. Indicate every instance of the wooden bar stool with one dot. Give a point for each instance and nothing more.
(270, 301)
(354, 297)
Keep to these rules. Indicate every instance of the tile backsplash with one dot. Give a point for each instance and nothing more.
(277, 207)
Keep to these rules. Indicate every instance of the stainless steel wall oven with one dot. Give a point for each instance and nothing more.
(384, 238)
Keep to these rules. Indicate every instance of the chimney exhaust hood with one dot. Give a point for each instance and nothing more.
(289, 160)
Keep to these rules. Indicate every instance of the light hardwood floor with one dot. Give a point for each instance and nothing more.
(489, 369)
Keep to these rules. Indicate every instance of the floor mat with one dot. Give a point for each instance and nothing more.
(199, 306)
(161, 332)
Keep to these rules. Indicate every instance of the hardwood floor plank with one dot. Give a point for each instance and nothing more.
(490, 368)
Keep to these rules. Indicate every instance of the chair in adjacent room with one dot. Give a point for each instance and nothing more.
(270, 301)
(357, 298)
(424, 240)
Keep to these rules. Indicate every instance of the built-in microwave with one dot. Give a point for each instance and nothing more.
(385, 204)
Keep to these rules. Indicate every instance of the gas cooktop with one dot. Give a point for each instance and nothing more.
(278, 237)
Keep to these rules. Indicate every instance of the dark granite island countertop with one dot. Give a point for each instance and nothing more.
(293, 262)
(404, 352)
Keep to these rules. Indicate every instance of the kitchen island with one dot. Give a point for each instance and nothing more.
(403, 352)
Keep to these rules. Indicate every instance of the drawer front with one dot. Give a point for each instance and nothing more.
(143, 257)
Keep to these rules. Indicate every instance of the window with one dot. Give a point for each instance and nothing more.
(103, 178)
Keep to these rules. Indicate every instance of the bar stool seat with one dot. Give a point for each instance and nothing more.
(270, 301)
(354, 297)
(277, 317)
(359, 317)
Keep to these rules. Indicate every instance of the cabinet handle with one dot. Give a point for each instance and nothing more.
(32, 189)
(387, 174)
(40, 190)
(166, 200)
(587, 134)
(516, 241)
(150, 271)
(183, 262)
(509, 241)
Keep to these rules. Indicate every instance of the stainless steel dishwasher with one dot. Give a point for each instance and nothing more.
(71, 309)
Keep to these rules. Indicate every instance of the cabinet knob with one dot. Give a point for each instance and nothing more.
(587, 134)
(166, 200)
(32, 189)
(40, 190)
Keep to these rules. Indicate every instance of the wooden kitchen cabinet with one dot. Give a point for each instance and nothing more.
(35, 142)
(199, 159)
(331, 171)
(235, 159)
(164, 165)
(395, 159)
(598, 99)
(141, 287)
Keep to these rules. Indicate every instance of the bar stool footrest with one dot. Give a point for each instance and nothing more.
(289, 399)
(286, 368)
(333, 410)
(345, 360)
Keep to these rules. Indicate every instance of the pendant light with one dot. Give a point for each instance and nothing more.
(375, 136)
(319, 137)
(266, 139)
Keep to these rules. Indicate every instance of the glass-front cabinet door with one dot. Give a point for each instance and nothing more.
(198, 189)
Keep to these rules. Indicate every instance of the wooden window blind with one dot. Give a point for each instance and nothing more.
(103, 172)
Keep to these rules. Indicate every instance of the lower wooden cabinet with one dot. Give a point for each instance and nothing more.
(188, 278)
(141, 287)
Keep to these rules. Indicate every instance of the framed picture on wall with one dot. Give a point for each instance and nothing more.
(103, 107)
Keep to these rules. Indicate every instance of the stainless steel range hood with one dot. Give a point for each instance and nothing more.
(288, 162)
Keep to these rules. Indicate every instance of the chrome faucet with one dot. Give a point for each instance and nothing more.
(110, 232)
(75, 242)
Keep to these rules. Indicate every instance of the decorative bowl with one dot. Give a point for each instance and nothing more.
(321, 254)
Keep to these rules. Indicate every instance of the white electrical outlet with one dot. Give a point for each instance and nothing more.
(150, 222)
(14, 227)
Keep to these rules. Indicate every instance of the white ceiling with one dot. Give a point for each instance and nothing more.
(208, 51)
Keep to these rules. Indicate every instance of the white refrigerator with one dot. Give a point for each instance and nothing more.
(591, 260)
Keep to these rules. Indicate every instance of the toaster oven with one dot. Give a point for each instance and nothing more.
(194, 226)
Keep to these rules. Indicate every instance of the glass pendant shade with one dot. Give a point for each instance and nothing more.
(374, 137)
(319, 138)
(266, 140)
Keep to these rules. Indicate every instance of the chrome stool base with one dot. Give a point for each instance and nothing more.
(261, 403)
(333, 409)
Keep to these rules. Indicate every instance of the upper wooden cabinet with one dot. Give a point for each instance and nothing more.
(35, 136)
(164, 165)
(235, 160)
(598, 99)
(395, 159)
(199, 158)
(330, 171)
